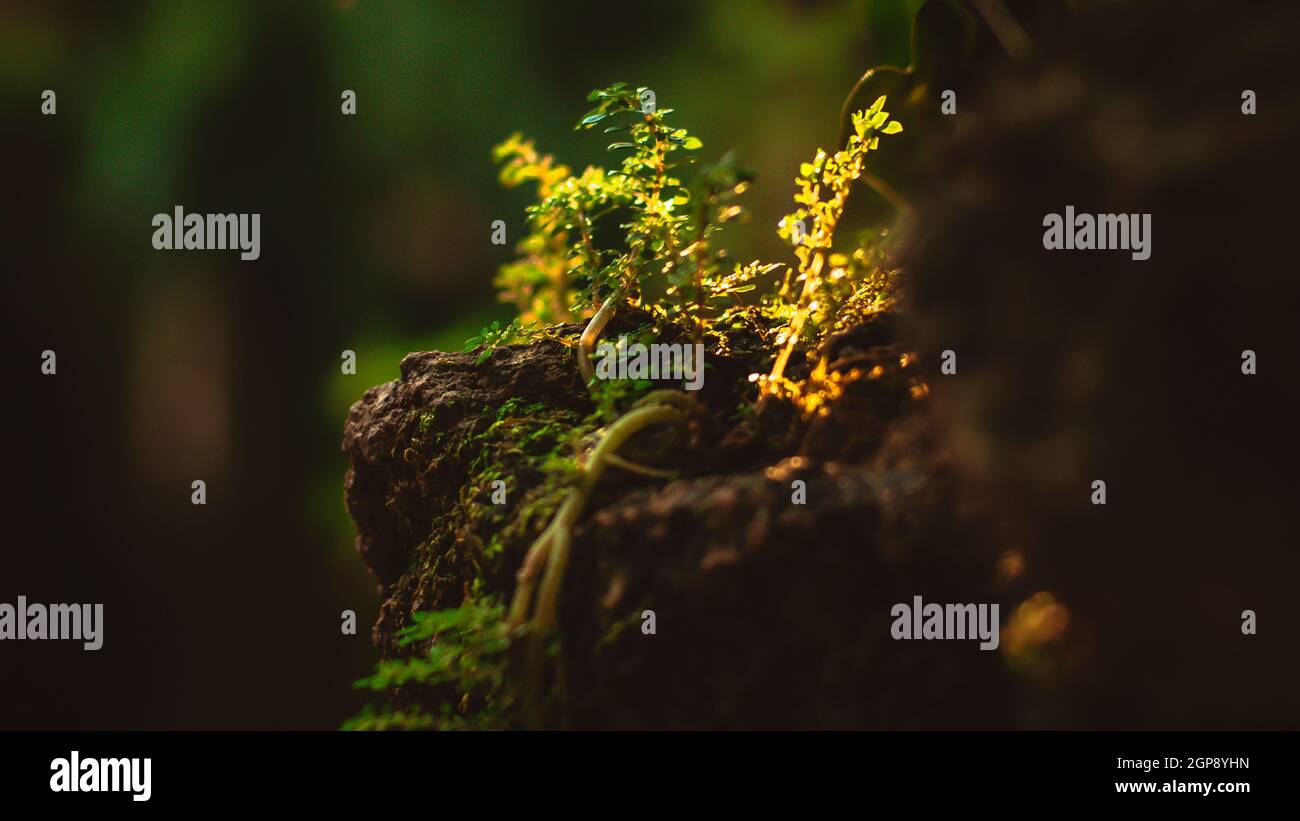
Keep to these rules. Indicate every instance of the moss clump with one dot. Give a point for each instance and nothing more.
(450, 654)
(460, 665)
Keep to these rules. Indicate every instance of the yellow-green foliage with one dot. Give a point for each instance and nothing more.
(824, 186)
(566, 268)
(664, 229)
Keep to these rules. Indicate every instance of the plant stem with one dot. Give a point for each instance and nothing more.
(552, 546)
(618, 433)
(592, 332)
(810, 284)
(617, 461)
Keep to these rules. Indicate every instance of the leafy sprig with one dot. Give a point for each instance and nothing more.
(823, 187)
(465, 662)
(494, 336)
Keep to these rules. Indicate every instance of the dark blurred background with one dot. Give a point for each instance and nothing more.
(375, 238)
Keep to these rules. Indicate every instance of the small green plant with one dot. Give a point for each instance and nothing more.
(494, 336)
(464, 663)
(664, 235)
(665, 230)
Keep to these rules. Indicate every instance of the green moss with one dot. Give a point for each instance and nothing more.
(454, 657)
(461, 664)
(531, 448)
(427, 420)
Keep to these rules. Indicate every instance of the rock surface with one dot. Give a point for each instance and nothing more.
(769, 613)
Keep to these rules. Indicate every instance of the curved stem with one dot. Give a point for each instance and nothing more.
(846, 110)
(551, 547)
(592, 332)
(548, 595)
(670, 396)
(617, 461)
(618, 433)
(526, 577)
